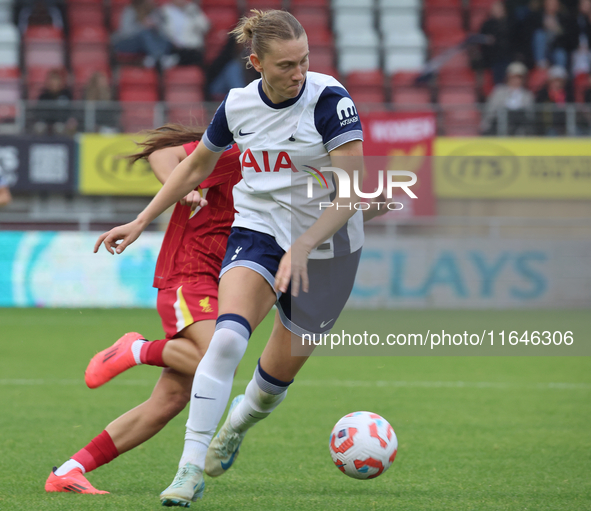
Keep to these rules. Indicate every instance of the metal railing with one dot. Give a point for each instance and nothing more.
(462, 119)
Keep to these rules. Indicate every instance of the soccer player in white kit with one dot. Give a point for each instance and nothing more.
(288, 125)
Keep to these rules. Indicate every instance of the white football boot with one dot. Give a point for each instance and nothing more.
(225, 446)
(187, 487)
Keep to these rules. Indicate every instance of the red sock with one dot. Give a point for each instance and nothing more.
(98, 452)
(151, 353)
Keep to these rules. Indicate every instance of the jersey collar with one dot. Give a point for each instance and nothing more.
(283, 104)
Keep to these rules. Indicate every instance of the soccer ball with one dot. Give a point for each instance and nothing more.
(363, 445)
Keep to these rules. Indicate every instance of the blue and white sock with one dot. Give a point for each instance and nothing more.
(263, 394)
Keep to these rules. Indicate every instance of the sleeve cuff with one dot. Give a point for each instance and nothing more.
(211, 146)
(343, 138)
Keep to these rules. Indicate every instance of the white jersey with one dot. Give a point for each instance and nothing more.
(282, 145)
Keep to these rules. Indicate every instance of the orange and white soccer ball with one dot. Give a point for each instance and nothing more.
(363, 445)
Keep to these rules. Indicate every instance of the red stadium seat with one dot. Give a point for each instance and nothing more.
(373, 80)
(411, 96)
(581, 84)
(481, 4)
(209, 4)
(361, 96)
(93, 56)
(10, 92)
(537, 79)
(456, 78)
(456, 96)
(194, 95)
(222, 17)
(312, 19)
(477, 18)
(137, 109)
(310, 3)
(263, 4)
(214, 43)
(82, 15)
(140, 77)
(321, 57)
(320, 36)
(184, 76)
(44, 46)
(89, 35)
(442, 4)
(461, 122)
(193, 116)
(444, 27)
(404, 79)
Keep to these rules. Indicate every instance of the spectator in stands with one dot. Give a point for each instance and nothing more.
(55, 118)
(5, 196)
(555, 94)
(185, 26)
(106, 112)
(226, 71)
(581, 57)
(496, 56)
(552, 35)
(39, 12)
(140, 31)
(512, 98)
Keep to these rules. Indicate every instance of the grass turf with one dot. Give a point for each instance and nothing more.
(507, 437)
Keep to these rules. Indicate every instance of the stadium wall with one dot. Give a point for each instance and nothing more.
(59, 269)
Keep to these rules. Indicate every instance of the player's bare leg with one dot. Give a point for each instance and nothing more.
(169, 397)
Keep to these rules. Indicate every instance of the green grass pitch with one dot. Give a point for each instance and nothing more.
(475, 433)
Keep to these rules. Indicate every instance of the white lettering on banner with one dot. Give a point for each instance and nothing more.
(410, 130)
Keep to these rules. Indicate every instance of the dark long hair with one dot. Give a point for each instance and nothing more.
(169, 135)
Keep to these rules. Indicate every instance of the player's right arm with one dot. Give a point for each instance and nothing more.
(186, 176)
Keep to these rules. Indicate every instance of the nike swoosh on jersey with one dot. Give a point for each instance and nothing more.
(203, 397)
(244, 134)
(325, 323)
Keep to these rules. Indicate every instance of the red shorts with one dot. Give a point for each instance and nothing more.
(186, 304)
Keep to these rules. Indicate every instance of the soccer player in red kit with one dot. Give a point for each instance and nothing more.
(187, 280)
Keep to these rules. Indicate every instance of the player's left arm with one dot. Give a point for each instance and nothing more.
(294, 264)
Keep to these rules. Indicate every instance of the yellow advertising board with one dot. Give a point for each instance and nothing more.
(103, 169)
(505, 168)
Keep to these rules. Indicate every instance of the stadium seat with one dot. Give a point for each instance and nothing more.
(358, 59)
(10, 92)
(357, 4)
(9, 45)
(537, 79)
(263, 4)
(85, 15)
(89, 35)
(44, 46)
(372, 80)
(443, 4)
(131, 77)
(321, 57)
(320, 36)
(311, 3)
(481, 4)
(460, 115)
(477, 18)
(410, 96)
(361, 96)
(6, 11)
(403, 59)
(312, 19)
(184, 85)
(195, 115)
(581, 84)
(456, 78)
(444, 27)
(215, 41)
(398, 21)
(404, 79)
(94, 57)
(399, 4)
(137, 109)
(349, 23)
(208, 4)
(222, 17)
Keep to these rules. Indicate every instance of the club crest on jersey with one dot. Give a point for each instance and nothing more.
(346, 111)
(205, 305)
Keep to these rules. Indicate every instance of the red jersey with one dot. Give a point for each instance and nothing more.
(195, 244)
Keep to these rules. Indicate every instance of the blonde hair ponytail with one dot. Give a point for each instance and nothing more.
(261, 27)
